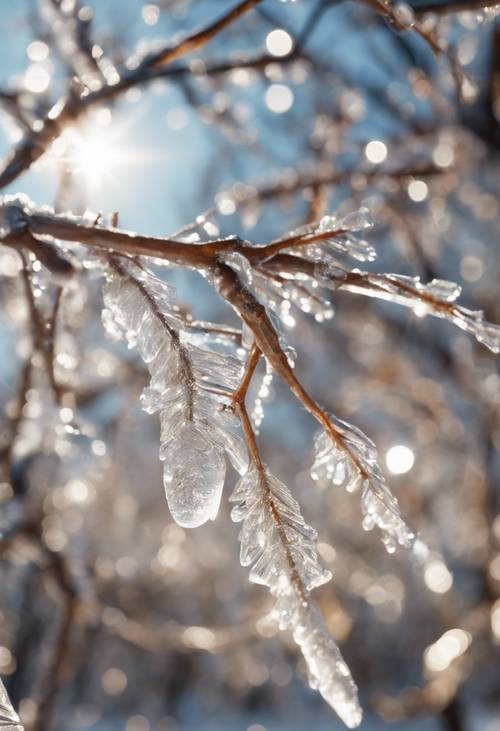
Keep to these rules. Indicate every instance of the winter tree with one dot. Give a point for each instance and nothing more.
(248, 263)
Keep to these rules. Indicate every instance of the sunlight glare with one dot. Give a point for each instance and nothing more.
(95, 153)
(94, 158)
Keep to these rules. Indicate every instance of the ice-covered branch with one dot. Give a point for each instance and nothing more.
(437, 298)
(254, 280)
(280, 549)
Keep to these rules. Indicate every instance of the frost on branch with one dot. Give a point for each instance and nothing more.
(351, 461)
(9, 720)
(280, 548)
(190, 387)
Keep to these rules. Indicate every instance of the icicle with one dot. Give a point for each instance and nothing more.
(352, 462)
(327, 669)
(9, 720)
(190, 388)
(193, 475)
(279, 547)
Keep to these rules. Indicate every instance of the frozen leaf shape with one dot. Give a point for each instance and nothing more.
(9, 720)
(280, 549)
(190, 387)
(299, 535)
(351, 461)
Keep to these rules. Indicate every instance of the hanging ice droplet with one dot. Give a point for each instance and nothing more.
(193, 474)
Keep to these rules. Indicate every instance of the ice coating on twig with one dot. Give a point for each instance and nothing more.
(351, 461)
(280, 294)
(440, 290)
(345, 237)
(9, 720)
(438, 298)
(280, 549)
(190, 387)
(473, 322)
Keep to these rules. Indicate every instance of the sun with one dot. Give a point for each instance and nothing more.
(97, 154)
(94, 158)
(94, 154)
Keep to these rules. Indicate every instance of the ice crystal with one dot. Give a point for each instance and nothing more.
(9, 720)
(190, 387)
(280, 549)
(344, 239)
(351, 461)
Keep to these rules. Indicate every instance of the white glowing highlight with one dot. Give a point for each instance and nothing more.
(495, 620)
(437, 577)
(37, 51)
(399, 459)
(96, 152)
(376, 151)
(418, 190)
(36, 79)
(447, 648)
(279, 98)
(279, 42)
(150, 14)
